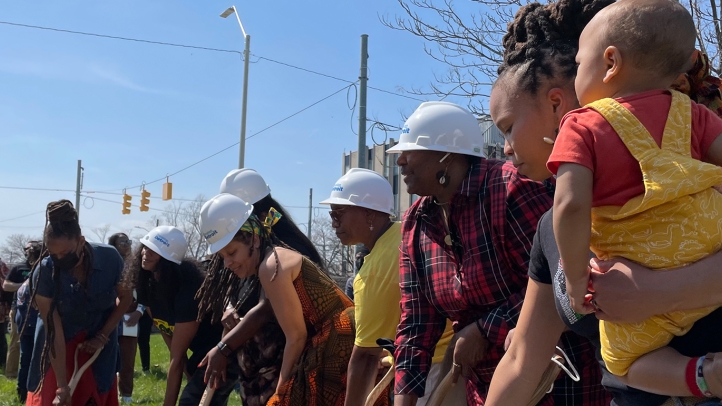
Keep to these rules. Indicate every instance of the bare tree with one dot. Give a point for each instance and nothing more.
(323, 236)
(101, 232)
(470, 45)
(12, 251)
(707, 15)
(185, 216)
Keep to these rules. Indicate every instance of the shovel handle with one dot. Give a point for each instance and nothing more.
(78, 373)
(207, 396)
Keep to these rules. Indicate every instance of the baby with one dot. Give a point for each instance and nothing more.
(637, 166)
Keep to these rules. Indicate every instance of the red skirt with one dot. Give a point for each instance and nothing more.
(86, 393)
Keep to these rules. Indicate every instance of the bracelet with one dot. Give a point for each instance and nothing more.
(701, 382)
(64, 390)
(224, 349)
(690, 377)
(102, 337)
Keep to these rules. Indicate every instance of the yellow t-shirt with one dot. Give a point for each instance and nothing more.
(377, 294)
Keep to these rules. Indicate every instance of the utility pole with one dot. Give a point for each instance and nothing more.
(363, 78)
(77, 187)
(246, 58)
(310, 211)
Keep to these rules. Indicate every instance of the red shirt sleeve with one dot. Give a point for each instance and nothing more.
(706, 127)
(574, 143)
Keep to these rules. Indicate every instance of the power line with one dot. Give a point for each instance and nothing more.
(91, 34)
(23, 216)
(35, 189)
(396, 94)
(232, 145)
(171, 44)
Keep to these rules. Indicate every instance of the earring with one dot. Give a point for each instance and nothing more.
(548, 140)
(371, 228)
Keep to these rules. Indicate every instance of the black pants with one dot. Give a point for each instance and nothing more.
(144, 325)
(193, 391)
(3, 343)
(27, 342)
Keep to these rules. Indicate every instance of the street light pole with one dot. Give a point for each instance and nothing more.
(246, 58)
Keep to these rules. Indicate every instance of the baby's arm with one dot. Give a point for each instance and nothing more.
(572, 229)
(714, 154)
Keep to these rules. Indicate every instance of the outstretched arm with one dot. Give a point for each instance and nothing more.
(539, 329)
(286, 305)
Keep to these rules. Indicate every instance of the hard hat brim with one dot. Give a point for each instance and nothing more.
(410, 146)
(220, 244)
(153, 247)
(346, 202)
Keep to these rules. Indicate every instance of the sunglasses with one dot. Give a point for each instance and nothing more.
(125, 243)
(337, 214)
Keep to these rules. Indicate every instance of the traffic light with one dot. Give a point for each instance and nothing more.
(144, 200)
(126, 202)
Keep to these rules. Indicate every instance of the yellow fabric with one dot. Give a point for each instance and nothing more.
(675, 222)
(377, 294)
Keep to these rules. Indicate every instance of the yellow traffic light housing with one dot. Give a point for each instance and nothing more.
(144, 200)
(126, 202)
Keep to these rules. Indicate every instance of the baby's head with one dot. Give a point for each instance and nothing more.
(633, 46)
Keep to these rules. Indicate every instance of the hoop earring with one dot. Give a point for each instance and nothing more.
(548, 140)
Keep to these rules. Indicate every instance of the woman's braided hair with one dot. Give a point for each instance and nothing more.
(542, 41)
(61, 221)
(222, 287)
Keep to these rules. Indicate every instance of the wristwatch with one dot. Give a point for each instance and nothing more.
(224, 349)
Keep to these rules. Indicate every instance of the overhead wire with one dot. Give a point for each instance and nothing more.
(232, 145)
(91, 34)
(172, 44)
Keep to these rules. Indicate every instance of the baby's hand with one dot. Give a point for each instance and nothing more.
(579, 297)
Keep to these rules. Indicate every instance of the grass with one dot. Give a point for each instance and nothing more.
(148, 389)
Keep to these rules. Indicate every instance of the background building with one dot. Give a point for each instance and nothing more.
(385, 164)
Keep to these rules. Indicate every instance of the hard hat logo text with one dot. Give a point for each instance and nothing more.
(162, 241)
(210, 234)
(337, 188)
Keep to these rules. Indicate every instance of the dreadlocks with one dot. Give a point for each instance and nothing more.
(542, 41)
(222, 287)
(61, 221)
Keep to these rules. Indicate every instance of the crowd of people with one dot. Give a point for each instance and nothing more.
(499, 272)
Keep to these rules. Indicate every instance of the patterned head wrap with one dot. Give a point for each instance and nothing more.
(271, 219)
(700, 85)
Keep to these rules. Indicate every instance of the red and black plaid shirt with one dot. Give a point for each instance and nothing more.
(481, 276)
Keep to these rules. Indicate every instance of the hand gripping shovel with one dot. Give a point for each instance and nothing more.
(388, 345)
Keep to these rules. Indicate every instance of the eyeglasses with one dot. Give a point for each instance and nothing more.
(337, 214)
(125, 243)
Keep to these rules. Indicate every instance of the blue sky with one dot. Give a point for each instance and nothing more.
(135, 112)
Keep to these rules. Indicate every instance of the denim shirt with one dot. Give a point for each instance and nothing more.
(82, 310)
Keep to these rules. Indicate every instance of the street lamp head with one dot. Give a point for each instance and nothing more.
(230, 10)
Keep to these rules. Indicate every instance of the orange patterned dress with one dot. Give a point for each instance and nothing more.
(319, 376)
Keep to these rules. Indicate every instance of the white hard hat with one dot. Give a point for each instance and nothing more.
(363, 188)
(221, 218)
(168, 242)
(246, 184)
(441, 126)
